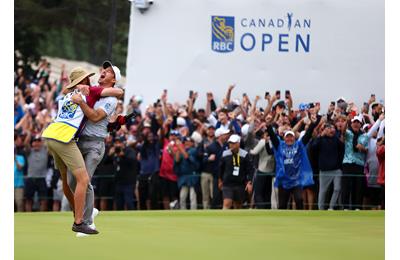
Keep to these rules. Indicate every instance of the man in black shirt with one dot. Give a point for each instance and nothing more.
(127, 168)
(329, 149)
(211, 159)
(105, 174)
(236, 173)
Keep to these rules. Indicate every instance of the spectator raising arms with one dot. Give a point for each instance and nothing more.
(155, 157)
(293, 170)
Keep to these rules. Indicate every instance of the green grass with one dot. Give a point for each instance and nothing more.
(244, 234)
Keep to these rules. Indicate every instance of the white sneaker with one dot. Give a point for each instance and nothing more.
(94, 214)
(79, 234)
(173, 204)
(92, 226)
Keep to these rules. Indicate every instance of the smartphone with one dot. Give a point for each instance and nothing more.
(372, 95)
(190, 93)
(165, 91)
(278, 94)
(244, 94)
(287, 93)
(333, 103)
(266, 94)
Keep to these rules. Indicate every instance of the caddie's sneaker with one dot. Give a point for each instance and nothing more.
(92, 226)
(83, 228)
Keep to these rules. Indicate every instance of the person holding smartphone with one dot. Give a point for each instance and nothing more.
(127, 168)
(278, 94)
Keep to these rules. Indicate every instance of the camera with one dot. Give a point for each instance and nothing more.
(142, 5)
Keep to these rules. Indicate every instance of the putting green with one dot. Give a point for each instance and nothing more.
(242, 234)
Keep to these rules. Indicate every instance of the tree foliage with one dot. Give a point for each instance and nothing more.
(89, 30)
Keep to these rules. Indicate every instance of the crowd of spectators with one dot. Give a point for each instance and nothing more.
(232, 154)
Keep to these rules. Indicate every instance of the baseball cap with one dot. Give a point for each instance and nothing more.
(328, 125)
(188, 139)
(358, 118)
(196, 137)
(174, 132)
(116, 70)
(180, 121)
(289, 133)
(36, 138)
(373, 105)
(120, 138)
(234, 139)
(221, 131)
(280, 104)
(302, 106)
(208, 126)
(341, 99)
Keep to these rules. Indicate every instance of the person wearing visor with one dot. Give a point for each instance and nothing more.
(293, 169)
(235, 175)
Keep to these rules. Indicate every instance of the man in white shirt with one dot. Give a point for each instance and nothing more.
(91, 140)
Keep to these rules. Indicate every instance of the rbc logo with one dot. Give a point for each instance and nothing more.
(223, 32)
(68, 110)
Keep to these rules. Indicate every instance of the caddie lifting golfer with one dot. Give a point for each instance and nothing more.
(60, 137)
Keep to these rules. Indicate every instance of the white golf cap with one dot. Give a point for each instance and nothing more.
(196, 137)
(341, 98)
(289, 133)
(234, 139)
(116, 70)
(180, 121)
(221, 131)
(358, 118)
